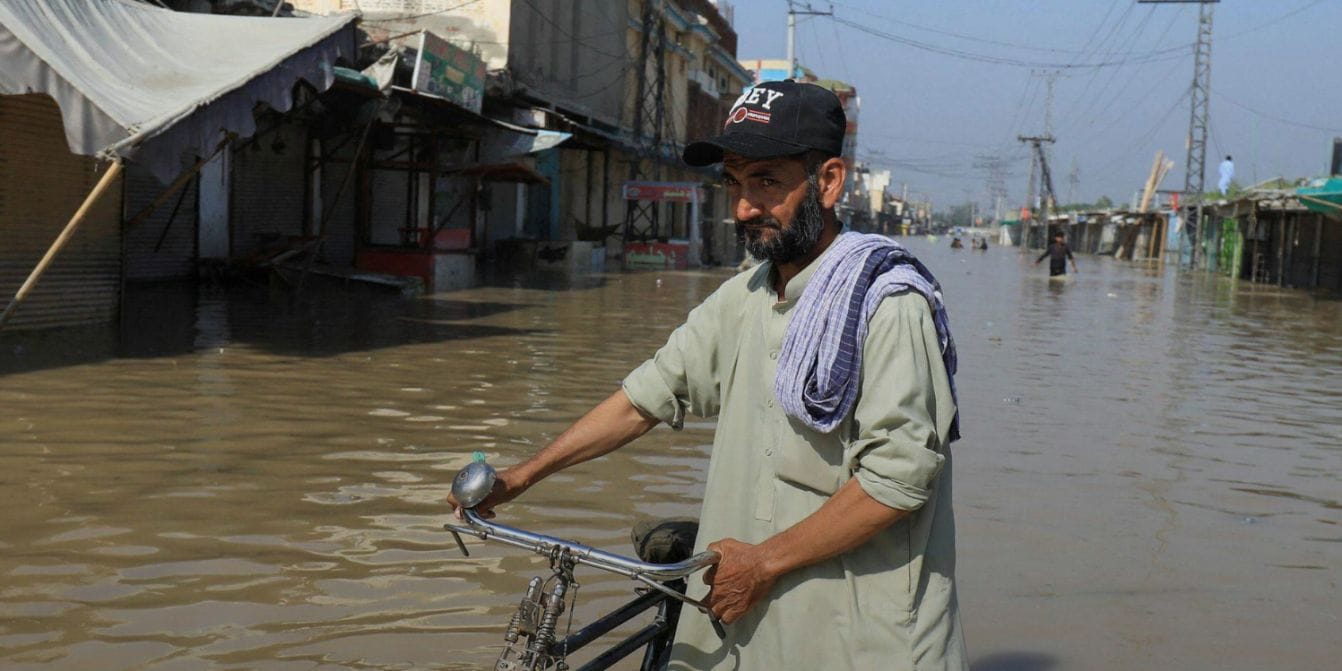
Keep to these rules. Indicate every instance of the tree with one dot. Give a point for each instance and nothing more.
(1104, 203)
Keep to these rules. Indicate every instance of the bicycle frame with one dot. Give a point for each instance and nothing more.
(537, 615)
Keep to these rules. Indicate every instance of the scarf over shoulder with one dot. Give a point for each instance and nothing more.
(820, 365)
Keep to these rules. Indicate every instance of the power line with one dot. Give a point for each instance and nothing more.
(843, 58)
(1151, 57)
(1278, 119)
(1279, 19)
(1106, 169)
(1096, 74)
(1097, 106)
(1090, 139)
(982, 40)
(536, 10)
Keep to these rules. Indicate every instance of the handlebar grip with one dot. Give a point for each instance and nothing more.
(705, 558)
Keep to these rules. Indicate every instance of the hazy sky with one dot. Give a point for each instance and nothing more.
(930, 116)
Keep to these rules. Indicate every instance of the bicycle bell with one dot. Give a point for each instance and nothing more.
(474, 482)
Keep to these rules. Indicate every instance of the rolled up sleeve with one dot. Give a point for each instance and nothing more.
(683, 376)
(904, 412)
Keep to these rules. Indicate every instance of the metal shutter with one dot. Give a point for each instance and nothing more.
(41, 186)
(156, 250)
(267, 200)
(338, 248)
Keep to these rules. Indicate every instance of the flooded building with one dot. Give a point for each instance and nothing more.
(94, 145)
(628, 83)
(1284, 236)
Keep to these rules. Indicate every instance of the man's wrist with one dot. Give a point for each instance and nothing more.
(773, 559)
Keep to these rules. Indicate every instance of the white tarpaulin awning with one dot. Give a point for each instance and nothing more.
(148, 84)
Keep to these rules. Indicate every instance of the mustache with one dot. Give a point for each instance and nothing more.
(759, 222)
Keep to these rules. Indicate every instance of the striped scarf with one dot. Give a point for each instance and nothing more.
(820, 366)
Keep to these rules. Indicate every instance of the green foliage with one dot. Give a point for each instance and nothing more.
(1103, 203)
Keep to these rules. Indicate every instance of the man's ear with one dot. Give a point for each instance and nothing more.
(831, 175)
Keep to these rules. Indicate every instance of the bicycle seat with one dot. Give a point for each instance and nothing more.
(665, 541)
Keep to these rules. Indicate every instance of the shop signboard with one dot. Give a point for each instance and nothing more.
(448, 71)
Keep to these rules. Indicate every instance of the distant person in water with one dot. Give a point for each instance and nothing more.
(957, 244)
(981, 244)
(1058, 255)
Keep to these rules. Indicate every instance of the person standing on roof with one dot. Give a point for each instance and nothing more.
(1227, 171)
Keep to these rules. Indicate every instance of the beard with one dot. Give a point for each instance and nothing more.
(790, 242)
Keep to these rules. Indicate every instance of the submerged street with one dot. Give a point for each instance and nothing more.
(1149, 475)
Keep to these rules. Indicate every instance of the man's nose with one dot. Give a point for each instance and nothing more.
(746, 209)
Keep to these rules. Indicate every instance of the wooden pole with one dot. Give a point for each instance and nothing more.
(106, 182)
(1155, 233)
(178, 183)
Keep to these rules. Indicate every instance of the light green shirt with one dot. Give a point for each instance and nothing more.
(889, 604)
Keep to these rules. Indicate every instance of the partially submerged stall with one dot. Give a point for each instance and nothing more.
(1284, 236)
(144, 95)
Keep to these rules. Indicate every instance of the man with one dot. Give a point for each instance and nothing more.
(837, 545)
(1227, 174)
(1058, 255)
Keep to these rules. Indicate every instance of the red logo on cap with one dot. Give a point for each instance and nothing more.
(742, 114)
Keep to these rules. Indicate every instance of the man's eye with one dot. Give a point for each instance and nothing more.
(768, 182)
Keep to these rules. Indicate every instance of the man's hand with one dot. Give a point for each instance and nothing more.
(508, 485)
(738, 581)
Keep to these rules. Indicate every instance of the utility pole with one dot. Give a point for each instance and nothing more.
(1048, 198)
(1195, 167)
(792, 13)
(1030, 204)
(642, 217)
(996, 181)
(1050, 79)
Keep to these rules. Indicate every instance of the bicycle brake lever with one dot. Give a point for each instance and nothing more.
(679, 596)
(461, 545)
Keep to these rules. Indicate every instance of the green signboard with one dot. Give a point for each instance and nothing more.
(450, 72)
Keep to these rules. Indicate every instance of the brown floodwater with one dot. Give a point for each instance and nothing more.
(1149, 476)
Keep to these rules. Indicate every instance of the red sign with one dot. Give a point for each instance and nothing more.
(669, 192)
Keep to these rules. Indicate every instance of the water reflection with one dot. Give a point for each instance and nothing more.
(256, 481)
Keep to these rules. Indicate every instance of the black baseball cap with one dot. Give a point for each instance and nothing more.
(773, 119)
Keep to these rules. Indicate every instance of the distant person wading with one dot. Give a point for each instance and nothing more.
(1058, 254)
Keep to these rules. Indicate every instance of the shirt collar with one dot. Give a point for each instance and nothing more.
(797, 284)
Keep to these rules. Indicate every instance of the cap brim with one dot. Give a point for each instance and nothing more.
(708, 152)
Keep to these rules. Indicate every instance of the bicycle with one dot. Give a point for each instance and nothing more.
(531, 640)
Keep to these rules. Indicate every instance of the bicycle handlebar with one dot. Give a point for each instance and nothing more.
(582, 554)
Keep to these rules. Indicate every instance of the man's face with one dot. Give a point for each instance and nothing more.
(777, 209)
